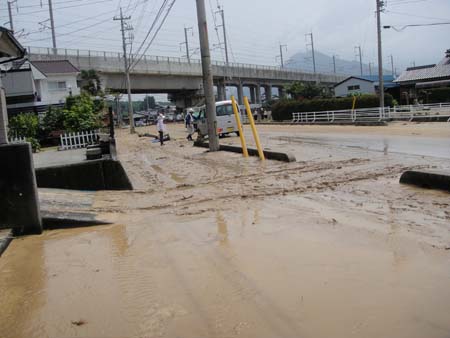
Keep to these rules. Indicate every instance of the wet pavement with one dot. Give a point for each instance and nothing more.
(213, 245)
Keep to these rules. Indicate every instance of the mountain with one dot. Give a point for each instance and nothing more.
(324, 64)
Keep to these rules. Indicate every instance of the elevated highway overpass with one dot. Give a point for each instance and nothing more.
(182, 79)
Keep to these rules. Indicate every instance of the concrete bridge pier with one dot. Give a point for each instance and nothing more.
(268, 92)
(252, 94)
(281, 92)
(221, 91)
(240, 88)
(258, 94)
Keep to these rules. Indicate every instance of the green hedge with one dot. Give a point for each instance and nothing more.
(283, 109)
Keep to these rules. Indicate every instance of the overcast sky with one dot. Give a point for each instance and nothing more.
(255, 27)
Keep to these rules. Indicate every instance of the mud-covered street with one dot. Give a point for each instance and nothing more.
(215, 245)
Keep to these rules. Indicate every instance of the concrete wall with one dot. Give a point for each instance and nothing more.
(366, 87)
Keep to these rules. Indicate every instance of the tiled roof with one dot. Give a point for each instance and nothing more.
(432, 72)
(55, 67)
(388, 80)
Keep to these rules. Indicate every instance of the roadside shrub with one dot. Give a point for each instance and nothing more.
(53, 120)
(35, 145)
(283, 109)
(80, 114)
(24, 125)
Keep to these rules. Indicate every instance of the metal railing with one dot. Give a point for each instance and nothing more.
(421, 111)
(438, 111)
(340, 116)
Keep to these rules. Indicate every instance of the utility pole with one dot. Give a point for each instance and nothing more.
(281, 54)
(380, 8)
(52, 25)
(312, 49)
(11, 23)
(208, 86)
(358, 48)
(334, 64)
(124, 28)
(186, 42)
(225, 43)
(392, 64)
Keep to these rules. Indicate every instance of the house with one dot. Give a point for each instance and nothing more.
(367, 84)
(34, 86)
(416, 79)
(10, 50)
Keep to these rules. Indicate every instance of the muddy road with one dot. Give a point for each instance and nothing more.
(214, 245)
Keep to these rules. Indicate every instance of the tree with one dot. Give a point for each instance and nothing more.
(300, 90)
(27, 126)
(53, 120)
(91, 82)
(24, 125)
(80, 114)
(149, 101)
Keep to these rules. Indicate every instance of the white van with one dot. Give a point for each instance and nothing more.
(226, 122)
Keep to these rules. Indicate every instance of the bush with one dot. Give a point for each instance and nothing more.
(283, 109)
(53, 120)
(81, 113)
(35, 145)
(24, 125)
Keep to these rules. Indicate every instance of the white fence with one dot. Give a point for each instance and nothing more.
(430, 112)
(17, 139)
(78, 140)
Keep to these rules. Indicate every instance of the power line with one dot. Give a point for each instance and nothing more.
(155, 34)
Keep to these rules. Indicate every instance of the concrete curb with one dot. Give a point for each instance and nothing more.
(270, 155)
(427, 179)
(5, 241)
(88, 175)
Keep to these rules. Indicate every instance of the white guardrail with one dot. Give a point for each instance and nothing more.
(398, 113)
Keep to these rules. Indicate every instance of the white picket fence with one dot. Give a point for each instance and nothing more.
(17, 139)
(78, 140)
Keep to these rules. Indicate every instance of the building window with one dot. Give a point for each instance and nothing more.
(54, 86)
(355, 87)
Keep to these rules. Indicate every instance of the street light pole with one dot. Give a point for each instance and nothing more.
(208, 85)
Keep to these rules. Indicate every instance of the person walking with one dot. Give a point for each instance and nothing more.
(160, 126)
(189, 121)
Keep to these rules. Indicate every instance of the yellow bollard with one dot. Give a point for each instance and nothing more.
(255, 132)
(238, 122)
(354, 103)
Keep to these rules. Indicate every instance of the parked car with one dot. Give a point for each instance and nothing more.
(226, 122)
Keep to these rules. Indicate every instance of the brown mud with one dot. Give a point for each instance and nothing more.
(214, 245)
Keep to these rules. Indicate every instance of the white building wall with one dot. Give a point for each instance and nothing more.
(366, 87)
(49, 96)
